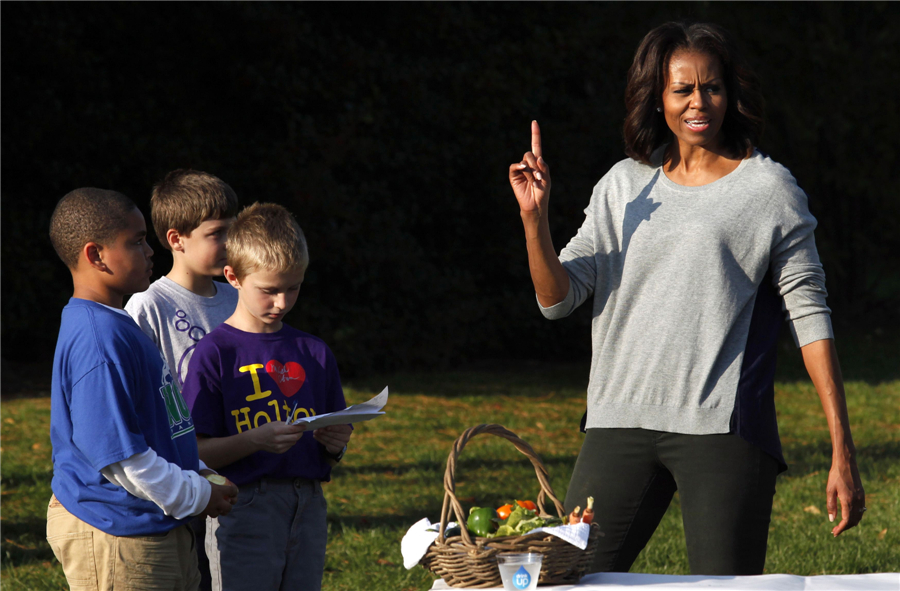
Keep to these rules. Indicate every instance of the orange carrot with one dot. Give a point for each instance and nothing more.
(574, 516)
(588, 514)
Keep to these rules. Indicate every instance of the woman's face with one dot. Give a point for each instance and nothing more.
(694, 99)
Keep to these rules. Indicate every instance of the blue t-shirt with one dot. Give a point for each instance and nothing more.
(112, 397)
(240, 380)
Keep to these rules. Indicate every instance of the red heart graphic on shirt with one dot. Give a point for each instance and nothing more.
(289, 377)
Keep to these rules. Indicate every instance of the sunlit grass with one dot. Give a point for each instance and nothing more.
(392, 475)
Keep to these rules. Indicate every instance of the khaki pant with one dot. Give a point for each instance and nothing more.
(96, 561)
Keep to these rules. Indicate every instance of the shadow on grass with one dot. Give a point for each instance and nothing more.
(527, 380)
(401, 522)
(24, 542)
(463, 465)
(14, 480)
(816, 457)
(871, 356)
(25, 379)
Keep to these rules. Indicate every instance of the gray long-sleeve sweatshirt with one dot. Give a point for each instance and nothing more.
(684, 321)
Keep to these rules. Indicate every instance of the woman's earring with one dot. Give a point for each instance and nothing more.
(659, 109)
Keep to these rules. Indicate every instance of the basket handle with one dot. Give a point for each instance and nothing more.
(450, 499)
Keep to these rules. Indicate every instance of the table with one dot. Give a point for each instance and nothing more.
(634, 581)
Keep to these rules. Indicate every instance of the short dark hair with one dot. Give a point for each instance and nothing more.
(265, 236)
(645, 128)
(186, 198)
(87, 215)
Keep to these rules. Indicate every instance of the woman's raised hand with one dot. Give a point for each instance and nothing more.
(530, 178)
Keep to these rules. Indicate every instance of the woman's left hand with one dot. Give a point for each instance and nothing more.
(844, 484)
(845, 487)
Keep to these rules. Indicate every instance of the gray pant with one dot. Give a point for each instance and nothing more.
(273, 540)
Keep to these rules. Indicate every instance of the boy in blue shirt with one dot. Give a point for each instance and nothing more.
(126, 473)
(247, 379)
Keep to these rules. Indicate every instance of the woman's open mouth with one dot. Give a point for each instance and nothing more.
(697, 124)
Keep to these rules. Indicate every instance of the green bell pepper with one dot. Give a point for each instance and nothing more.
(480, 521)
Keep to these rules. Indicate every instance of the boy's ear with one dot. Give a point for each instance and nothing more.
(230, 277)
(92, 255)
(173, 237)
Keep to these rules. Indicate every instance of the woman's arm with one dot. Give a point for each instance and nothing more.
(551, 282)
(844, 484)
(530, 181)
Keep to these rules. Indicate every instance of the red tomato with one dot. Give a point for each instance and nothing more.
(527, 505)
(504, 511)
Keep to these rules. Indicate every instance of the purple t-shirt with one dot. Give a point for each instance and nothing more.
(240, 380)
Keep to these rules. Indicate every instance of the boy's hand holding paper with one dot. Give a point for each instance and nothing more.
(334, 437)
(352, 414)
(276, 437)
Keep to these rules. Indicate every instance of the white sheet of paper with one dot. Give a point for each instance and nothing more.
(352, 414)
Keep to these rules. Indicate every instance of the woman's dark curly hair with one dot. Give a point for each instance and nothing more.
(646, 129)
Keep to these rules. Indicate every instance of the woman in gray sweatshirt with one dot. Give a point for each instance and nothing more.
(694, 251)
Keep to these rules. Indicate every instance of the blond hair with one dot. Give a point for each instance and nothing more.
(185, 198)
(87, 215)
(265, 236)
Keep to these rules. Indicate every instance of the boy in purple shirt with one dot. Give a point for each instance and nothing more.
(247, 379)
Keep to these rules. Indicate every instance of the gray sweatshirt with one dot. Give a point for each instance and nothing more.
(676, 273)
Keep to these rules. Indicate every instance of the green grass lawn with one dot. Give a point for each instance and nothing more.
(392, 475)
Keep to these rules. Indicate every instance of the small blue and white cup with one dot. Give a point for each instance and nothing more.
(520, 572)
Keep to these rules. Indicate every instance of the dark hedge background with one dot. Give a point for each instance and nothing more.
(388, 129)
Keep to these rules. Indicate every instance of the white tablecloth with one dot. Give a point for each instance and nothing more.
(632, 581)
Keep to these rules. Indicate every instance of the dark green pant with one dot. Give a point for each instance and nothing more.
(725, 485)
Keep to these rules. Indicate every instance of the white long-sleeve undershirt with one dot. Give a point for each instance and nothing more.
(179, 493)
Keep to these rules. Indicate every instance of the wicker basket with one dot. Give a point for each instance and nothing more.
(465, 562)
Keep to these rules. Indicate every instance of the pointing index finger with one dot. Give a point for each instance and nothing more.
(536, 139)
